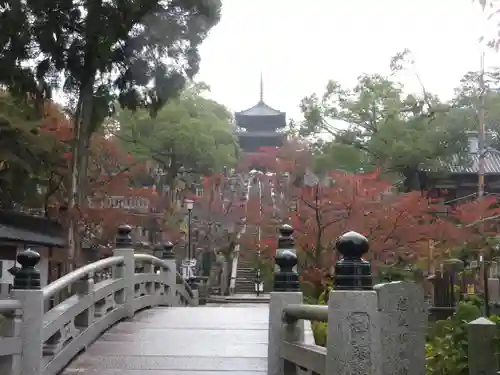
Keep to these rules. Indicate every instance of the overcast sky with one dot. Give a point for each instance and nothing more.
(299, 45)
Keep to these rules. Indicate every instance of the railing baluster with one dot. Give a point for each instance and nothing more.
(27, 290)
(84, 288)
(124, 249)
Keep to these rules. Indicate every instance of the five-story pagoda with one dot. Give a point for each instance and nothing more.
(258, 127)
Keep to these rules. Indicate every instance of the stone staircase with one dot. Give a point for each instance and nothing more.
(245, 277)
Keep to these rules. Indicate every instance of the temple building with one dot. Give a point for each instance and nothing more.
(259, 127)
(457, 179)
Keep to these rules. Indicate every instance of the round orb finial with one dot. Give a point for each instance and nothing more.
(124, 236)
(352, 245)
(286, 230)
(28, 258)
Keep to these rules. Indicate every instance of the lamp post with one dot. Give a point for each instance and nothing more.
(189, 205)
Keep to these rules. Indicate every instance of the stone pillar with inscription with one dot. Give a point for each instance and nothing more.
(286, 292)
(354, 342)
(376, 330)
(403, 324)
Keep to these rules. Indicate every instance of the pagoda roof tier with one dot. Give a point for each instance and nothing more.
(261, 117)
(260, 109)
(259, 133)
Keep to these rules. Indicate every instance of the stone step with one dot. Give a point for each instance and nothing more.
(245, 276)
(245, 273)
(244, 291)
(245, 283)
(242, 298)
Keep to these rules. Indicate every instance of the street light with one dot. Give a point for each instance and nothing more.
(189, 205)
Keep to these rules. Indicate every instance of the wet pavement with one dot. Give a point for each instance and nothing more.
(206, 340)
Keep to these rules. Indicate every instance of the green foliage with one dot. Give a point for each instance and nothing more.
(320, 329)
(394, 273)
(29, 157)
(141, 50)
(190, 132)
(320, 333)
(329, 156)
(446, 347)
(374, 123)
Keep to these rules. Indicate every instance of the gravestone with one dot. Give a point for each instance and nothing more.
(482, 347)
(494, 289)
(403, 323)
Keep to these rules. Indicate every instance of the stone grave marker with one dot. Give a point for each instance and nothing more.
(403, 323)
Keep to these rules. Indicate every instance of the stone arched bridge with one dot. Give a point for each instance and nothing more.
(145, 319)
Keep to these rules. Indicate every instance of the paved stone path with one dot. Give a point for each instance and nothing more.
(206, 340)
(240, 298)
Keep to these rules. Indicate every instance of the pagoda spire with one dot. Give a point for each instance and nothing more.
(261, 88)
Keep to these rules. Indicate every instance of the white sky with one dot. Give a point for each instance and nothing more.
(299, 45)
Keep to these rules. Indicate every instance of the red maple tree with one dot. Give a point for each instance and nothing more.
(477, 224)
(398, 226)
(114, 197)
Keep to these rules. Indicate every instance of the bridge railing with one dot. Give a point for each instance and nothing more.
(36, 340)
(375, 330)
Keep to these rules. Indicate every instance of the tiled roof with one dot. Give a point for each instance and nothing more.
(470, 163)
(35, 230)
(14, 234)
(260, 109)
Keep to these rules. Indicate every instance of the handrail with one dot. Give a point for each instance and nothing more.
(152, 259)
(72, 277)
(186, 285)
(8, 305)
(292, 313)
(161, 263)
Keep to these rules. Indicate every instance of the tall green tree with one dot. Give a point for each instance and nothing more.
(136, 51)
(387, 127)
(190, 132)
(31, 158)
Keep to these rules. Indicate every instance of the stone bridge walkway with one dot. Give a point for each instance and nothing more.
(207, 340)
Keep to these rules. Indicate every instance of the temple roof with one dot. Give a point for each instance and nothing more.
(260, 109)
(30, 230)
(469, 163)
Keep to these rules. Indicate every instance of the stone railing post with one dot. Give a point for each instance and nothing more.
(482, 347)
(27, 289)
(353, 340)
(171, 275)
(376, 330)
(195, 288)
(126, 271)
(286, 292)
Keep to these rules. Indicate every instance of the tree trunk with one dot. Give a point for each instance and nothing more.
(79, 156)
